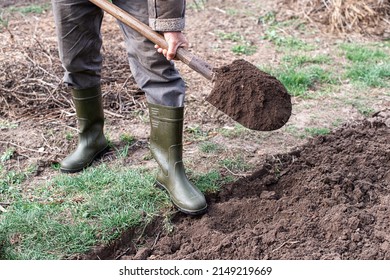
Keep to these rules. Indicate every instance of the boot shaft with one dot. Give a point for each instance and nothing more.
(166, 125)
(91, 139)
(166, 136)
(89, 108)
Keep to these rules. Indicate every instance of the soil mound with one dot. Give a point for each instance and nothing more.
(328, 200)
(267, 104)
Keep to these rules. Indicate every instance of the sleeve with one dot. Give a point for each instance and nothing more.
(167, 15)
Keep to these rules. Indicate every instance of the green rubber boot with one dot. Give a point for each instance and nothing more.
(166, 146)
(92, 143)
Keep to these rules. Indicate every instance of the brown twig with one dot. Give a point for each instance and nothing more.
(25, 148)
(284, 244)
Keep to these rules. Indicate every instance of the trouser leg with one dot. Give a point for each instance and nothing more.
(78, 25)
(155, 75)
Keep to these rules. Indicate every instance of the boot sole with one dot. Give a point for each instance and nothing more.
(187, 212)
(96, 156)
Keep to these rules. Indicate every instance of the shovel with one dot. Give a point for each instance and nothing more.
(249, 96)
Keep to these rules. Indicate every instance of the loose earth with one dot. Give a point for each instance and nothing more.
(329, 199)
(250, 96)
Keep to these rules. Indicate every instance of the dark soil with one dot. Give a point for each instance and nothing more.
(329, 199)
(250, 96)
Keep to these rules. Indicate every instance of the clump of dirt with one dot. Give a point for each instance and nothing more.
(250, 96)
(326, 200)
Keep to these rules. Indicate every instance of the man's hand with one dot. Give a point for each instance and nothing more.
(174, 40)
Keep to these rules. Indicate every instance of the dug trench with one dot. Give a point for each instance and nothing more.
(328, 199)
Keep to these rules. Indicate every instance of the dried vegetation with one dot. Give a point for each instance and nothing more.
(370, 17)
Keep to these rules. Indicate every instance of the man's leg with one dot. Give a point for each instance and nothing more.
(78, 25)
(155, 75)
(164, 89)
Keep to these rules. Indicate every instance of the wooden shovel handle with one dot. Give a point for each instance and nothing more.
(193, 61)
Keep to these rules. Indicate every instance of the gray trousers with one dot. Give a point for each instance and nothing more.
(78, 24)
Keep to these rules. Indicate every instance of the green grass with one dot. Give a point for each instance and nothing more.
(31, 9)
(302, 133)
(77, 212)
(231, 36)
(315, 131)
(210, 181)
(7, 154)
(6, 13)
(209, 147)
(10, 179)
(367, 74)
(127, 140)
(300, 80)
(4, 124)
(361, 106)
(286, 42)
(70, 214)
(195, 133)
(241, 47)
(276, 33)
(233, 132)
(309, 75)
(369, 65)
(360, 53)
(235, 165)
(246, 49)
(304, 75)
(299, 60)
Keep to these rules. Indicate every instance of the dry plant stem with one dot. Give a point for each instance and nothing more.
(2, 209)
(28, 149)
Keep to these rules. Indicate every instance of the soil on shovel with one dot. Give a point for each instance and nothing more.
(250, 96)
(327, 200)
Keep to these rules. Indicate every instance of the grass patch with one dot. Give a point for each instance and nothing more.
(77, 212)
(370, 65)
(195, 133)
(246, 49)
(286, 42)
(299, 80)
(72, 213)
(209, 182)
(7, 154)
(274, 32)
(360, 53)
(315, 131)
(209, 147)
(235, 165)
(127, 140)
(5, 14)
(242, 46)
(4, 124)
(233, 132)
(230, 36)
(368, 74)
(31, 9)
(307, 131)
(361, 107)
(301, 60)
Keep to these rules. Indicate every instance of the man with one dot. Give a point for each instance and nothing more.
(78, 25)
